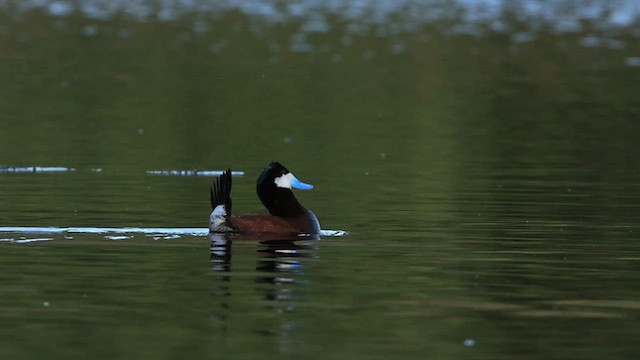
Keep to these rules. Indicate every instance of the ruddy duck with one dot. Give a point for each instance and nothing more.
(286, 215)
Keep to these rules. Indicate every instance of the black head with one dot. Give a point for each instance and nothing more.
(271, 172)
(274, 189)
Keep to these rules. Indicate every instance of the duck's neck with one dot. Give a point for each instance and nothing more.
(282, 202)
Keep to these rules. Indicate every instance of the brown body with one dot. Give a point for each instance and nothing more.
(275, 224)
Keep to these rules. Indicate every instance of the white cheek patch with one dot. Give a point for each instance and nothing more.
(284, 181)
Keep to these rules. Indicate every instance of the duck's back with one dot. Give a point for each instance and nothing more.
(267, 223)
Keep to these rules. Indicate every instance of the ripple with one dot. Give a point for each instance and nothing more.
(157, 233)
(24, 240)
(192, 172)
(65, 169)
(35, 169)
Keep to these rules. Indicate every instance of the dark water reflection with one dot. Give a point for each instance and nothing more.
(279, 263)
(276, 285)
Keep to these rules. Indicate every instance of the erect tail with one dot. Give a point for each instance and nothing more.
(221, 204)
(221, 192)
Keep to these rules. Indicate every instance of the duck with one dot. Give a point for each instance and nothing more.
(274, 187)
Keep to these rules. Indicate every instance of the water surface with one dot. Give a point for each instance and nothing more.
(482, 156)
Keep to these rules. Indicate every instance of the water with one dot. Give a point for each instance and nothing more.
(481, 155)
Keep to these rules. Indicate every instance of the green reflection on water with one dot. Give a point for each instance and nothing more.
(490, 188)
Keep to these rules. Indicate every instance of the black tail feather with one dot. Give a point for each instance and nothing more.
(221, 191)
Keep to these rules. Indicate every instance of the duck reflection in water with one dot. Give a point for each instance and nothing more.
(257, 281)
(279, 263)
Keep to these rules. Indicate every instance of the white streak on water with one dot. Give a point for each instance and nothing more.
(126, 230)
(24, 241)
(33, 229)
(36, 169)
(333, 233)
(121, 237)
(103, 230)
(159, 232)
(166, 237)
(192, 172)
(63, 169)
